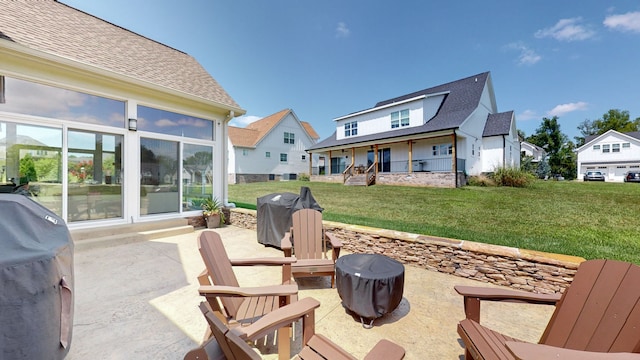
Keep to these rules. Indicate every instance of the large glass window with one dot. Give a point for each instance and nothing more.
(159, 176)
(94, 176)
(170, 123)
(24, 97)
(197, 175)
(31, 156)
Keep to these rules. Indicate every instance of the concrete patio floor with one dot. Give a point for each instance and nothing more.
(140, 301)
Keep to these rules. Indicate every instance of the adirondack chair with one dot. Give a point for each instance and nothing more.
(308, 240)
(237, 305)
(598, 314)
(233, 342)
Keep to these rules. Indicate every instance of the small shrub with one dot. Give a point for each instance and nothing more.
(480, 180)
(513, 177)
(304, 177)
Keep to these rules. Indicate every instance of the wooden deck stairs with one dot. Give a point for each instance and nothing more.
(357, 180)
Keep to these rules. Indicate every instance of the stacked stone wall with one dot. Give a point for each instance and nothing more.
(528, 270)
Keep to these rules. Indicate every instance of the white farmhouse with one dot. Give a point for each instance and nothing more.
(432, 137)
(613, 153)
(272, 148)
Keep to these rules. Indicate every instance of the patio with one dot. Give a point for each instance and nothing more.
(141, 300)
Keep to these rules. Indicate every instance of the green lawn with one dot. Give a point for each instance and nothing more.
(591, 220)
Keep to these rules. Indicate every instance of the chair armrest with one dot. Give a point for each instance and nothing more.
(335, 242)
(232, 291)
(277, 319)
(496, 294)
(267, 261)
(385, 350)
(473, 295)
(527, 351)
(285, 243)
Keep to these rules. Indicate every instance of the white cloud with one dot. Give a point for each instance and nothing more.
(342, 30)
(625, 22)
(244, 120)
(527, 115)
(562, 109)
(527, 55)
(567, 30)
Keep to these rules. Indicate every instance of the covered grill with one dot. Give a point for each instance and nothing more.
(36, 281)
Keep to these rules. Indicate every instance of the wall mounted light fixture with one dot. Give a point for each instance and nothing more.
(133, 124)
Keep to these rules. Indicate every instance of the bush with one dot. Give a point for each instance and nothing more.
(480, 180)
(513, 177)
(304, 177)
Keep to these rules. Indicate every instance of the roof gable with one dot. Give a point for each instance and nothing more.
(462, 98)
(58, 29)
(253, 133)
(594, 138)
(498, 124)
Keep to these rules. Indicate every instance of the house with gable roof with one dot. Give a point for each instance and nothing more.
(613, 153)
(272, 148)
(137, 129)
(433, 137)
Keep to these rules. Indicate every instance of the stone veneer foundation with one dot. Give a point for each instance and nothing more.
(528, 270)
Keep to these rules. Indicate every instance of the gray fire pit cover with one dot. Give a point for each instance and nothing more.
(36, 279)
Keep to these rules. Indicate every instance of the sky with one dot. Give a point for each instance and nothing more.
(574, 59)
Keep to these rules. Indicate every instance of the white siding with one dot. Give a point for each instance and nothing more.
(613, 164)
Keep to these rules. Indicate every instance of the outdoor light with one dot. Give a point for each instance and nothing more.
(133, 124)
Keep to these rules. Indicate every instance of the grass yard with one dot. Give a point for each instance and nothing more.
(587, 219)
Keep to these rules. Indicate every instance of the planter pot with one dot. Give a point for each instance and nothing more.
(213, 221)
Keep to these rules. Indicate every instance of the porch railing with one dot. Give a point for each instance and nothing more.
(418, 165)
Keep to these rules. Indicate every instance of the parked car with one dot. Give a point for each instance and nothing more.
(632, 176)
(593, 176)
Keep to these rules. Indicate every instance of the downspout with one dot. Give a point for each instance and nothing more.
(455, 157)
(224, 140)
(504, 151)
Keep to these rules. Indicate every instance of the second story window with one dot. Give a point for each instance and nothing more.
(605, 148)
(283, 157)
(289, 138)
(351, 128)
(267, 154)
(399, 118)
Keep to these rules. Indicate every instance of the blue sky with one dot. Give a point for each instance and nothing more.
(574, 58)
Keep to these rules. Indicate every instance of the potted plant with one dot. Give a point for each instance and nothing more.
(212, 212)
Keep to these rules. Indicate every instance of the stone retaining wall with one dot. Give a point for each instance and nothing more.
(520, 269)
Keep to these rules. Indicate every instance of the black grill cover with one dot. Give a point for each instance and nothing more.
(274, 214)
(36, 279)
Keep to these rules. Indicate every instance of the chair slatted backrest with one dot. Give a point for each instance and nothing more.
(600, 311)
(307, 231)
(219, 268)
(218, 329)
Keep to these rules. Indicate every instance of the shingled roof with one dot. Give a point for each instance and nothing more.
(253, 133)
(498, 124)
(55, 28)
(461, 99)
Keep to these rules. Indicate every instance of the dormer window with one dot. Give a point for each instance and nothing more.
(399, 118)
(351, 128)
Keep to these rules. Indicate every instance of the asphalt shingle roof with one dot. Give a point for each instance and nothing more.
(462, 99)
(633, 134)
(498, 124)
(55, 28)
(251, 135)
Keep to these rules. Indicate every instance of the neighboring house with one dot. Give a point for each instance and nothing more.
(536, 152)
(613, 153)
(272, 148)
(432, 137)
(112, 119)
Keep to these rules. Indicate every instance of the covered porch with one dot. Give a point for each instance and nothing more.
(418, 161)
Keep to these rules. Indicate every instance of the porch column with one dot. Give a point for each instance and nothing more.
(410, 156)
(375, 157)
(325, 164)
(353, 157)
(310, 164)
(454, 163)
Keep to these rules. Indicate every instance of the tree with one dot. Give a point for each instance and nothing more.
(613, 119)
(27, 170)
(567, 161)
(549, 137)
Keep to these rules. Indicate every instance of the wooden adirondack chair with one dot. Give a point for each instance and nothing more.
(234, 346)
(308, 240)
(237, 305)
(598, 314)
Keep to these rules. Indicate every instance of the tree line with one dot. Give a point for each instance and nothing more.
(561, 157)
